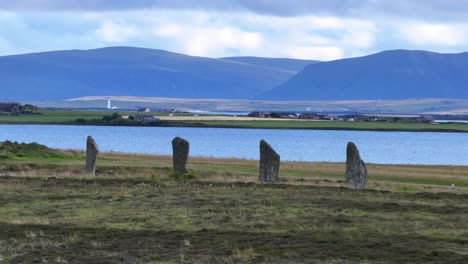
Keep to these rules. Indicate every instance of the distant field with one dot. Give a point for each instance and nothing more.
(62, 116)
(70, 117)
(131, 212)
(329, 125)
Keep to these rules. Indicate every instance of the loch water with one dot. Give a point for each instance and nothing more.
(293, 145)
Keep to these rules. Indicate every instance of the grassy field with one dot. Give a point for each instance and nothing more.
(69, 117)
(61, 116)
(132, 212)
(334, 125)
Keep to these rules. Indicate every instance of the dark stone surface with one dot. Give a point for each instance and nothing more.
(356, 171)
(92, 152)
(269, 163)
(180, 150)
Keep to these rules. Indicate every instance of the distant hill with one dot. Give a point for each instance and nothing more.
(281, 64)
(386, 75)
(129, 71)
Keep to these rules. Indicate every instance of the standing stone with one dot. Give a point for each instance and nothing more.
(269, 163)
(92, 152)
(180, 150)
(356, 171)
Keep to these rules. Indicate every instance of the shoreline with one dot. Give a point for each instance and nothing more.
(190, 124)
(138, 155)
(105, 118)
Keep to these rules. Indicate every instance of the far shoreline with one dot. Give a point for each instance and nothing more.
(188, 124)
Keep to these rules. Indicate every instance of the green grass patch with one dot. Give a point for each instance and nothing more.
(335, 125)
(11, 150)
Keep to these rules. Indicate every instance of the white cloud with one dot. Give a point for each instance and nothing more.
(219, 34)
(317, 53)
(359, 39)
(435, 34)
(116, 32)
(203, 33)
(208, 41)
(168, 30)
(307, 37)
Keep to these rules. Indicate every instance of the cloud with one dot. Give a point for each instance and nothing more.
(220, 34)
(204, 33)
(360, 34)
(435, 34)
(324, 53)
(210, 41)
(116, 32)
(307, 37)
(447, 10)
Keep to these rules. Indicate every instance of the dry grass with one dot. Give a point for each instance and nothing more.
(395, 177)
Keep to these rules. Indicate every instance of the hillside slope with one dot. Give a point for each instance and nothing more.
(397, 74)
(131, 71)
(282, 64)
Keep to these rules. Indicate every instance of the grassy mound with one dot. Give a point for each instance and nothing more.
(10, 149)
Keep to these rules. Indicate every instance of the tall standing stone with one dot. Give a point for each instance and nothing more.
(180, 150)
(356, 171)
(269, 163)
(92, 152)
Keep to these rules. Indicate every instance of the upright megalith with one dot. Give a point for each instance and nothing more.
(356, 171)
(92, 152)
(180, 150)
(269, 163)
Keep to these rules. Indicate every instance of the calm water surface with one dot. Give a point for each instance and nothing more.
(292, 145)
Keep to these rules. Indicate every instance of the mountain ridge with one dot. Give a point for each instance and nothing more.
(133, 71)
(393, 74)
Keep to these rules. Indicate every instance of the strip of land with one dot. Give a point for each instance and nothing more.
(81, 117)
(133, 212)
(408, 106)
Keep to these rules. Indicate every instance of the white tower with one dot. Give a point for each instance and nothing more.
(109, 103)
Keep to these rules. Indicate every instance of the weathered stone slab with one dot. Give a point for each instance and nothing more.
(269, 163)
(180, 150)
(356, 171)
(92, 152)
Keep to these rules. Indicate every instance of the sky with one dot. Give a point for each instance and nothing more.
(303, 29)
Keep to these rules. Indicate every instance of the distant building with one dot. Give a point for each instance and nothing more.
(312, 116)
(331, 117)
(426, 119)
(145, 118)
(261, 114)
(144, 109)
(11, 108)
(268, 114)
